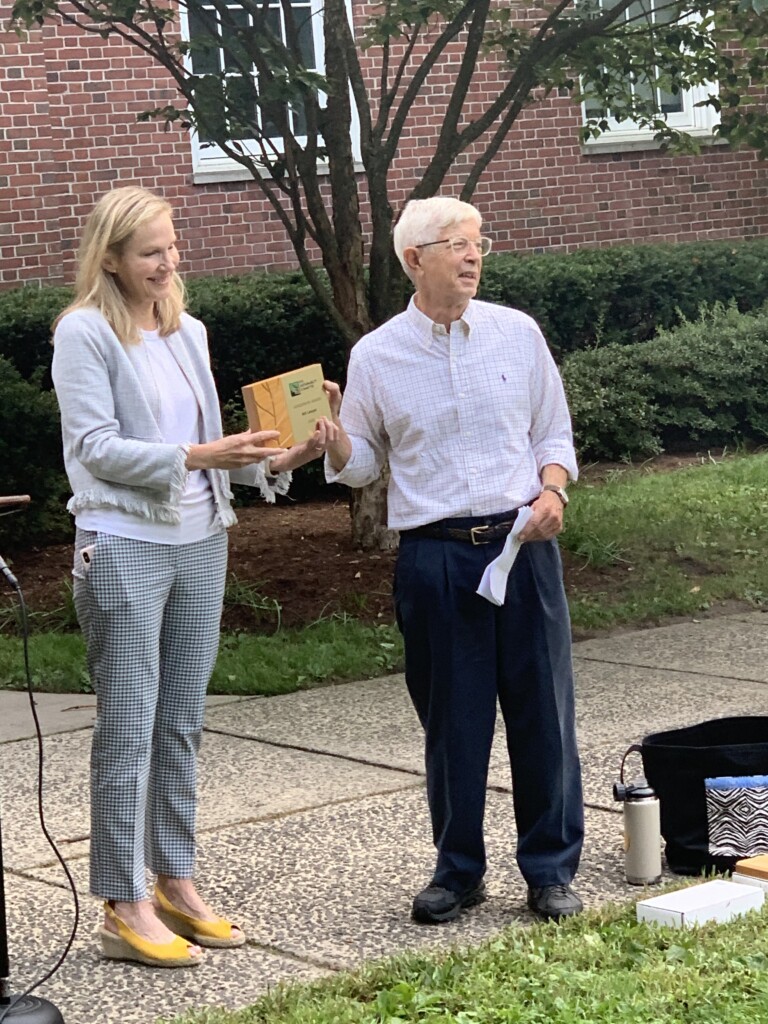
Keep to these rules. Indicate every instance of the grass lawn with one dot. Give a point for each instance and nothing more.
(642, 547)
(601, 968)
(654, 545)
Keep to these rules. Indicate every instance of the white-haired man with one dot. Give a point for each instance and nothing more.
(464, 400)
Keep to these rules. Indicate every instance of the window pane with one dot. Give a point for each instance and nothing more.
(594, 110)
(299, 119)
(643, 89)
(274, 22)
(210, 106)
(241, 106)
(205, 52)
(669, 103)
(240, 19)
(306, 38)
(666, 11)
(639, 11)
(270, 130)
(592, 105)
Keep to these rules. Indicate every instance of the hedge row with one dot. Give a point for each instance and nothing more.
(30, 454)
(625, 294)
(258, 325)
(261, 324)
(705, 383)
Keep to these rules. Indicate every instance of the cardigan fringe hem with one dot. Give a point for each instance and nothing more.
(95, 498)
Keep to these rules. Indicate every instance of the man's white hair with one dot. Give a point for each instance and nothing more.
(428, 220)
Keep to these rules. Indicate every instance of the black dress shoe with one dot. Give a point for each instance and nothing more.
(434, 905)
(553, 902)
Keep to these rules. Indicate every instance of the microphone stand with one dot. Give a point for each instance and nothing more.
(24, 1009)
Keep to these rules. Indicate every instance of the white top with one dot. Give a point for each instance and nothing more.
(468, 417)
(178, 421)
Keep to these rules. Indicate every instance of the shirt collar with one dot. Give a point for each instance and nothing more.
(426, 328)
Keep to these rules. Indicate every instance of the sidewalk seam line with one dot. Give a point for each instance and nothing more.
(286, 954)
(667, 668)
(315, 750)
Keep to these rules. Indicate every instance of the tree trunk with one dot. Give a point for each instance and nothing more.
(368, 509)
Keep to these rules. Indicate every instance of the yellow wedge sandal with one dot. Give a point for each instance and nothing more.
(127, 945)
(214, 934)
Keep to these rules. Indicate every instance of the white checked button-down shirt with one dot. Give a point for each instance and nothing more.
(468, 417)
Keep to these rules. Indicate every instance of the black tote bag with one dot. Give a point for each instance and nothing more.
(712, 783)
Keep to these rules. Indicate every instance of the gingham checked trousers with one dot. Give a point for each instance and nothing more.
(150, 614)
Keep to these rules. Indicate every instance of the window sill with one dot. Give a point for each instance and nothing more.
(632, 142)
(210, 172)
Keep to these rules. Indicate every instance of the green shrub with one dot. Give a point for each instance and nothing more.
(258, 325)
(702, 384)
(626, 293)
(26, 315)
(30, 454)
(705, 382)
(263, 324)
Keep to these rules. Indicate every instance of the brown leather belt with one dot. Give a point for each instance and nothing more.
(483, 533)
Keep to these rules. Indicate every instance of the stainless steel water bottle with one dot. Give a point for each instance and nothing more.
(642, 831)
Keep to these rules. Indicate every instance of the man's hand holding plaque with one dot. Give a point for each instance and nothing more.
(295, 406)
(291, 403)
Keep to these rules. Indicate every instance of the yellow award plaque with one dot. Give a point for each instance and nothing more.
(290, 402)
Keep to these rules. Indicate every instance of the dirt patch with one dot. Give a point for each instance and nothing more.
(299, 556)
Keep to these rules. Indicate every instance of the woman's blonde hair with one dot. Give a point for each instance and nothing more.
(112, 222)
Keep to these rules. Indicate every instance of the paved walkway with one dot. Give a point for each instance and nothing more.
(313, 822)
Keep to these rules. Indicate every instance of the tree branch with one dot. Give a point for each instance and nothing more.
(451, 30)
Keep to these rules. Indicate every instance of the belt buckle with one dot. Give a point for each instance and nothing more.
(474, 530)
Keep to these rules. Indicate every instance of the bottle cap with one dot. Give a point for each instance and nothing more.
(639, 790)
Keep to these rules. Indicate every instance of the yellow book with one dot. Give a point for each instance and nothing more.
(290, 402)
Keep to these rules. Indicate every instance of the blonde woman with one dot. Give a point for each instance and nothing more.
(150, 472)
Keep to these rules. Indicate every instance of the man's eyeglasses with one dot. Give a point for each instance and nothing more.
(461, 245)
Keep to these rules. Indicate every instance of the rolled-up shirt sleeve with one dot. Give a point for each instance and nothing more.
(363, 422)
(551, 432)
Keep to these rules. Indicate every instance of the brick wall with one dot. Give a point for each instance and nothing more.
(68, 132)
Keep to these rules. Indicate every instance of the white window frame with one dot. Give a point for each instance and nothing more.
(696, 121)
(210, 163)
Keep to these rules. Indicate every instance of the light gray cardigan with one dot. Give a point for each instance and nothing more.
(113, 452)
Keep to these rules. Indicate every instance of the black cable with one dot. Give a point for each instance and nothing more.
(40, 810)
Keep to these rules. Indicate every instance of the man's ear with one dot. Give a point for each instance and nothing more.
(412, 257)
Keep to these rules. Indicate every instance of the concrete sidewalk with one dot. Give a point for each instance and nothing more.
(314, 830)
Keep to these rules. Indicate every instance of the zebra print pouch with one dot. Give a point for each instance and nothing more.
(737, 815)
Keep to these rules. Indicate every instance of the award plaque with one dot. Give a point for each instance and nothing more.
(290, 402)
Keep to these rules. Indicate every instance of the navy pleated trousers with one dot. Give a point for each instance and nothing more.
(462, 654)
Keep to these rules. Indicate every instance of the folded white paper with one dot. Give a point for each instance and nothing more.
(493, 585)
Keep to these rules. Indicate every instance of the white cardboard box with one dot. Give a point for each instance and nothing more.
(759, 883)
(710, 901)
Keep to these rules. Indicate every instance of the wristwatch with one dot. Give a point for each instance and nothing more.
(559, 491)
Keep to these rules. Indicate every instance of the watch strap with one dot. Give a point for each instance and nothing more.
(559, 491)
